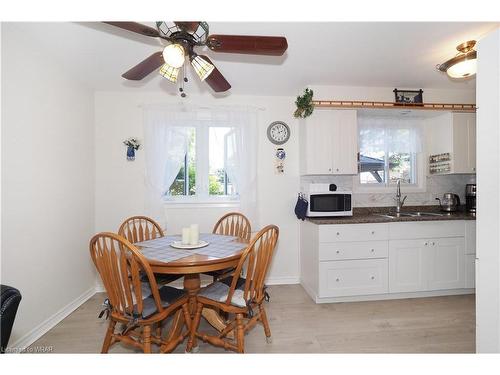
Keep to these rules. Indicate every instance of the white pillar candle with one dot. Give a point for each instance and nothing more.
(195, 234)
(186, 235)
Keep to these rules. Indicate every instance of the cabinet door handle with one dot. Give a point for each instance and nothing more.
(337, 169)
(338, 251)
(373, 232)
(329, 169)
(337, 279)
(372, 250)
(338, 233)
(432, 243)
(373, 277)
(426, 243)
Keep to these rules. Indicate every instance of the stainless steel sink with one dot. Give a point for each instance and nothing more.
(394, 215)
(419, 213)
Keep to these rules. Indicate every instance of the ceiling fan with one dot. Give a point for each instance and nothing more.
(183, 37)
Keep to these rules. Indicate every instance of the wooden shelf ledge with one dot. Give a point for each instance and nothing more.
(392, 105)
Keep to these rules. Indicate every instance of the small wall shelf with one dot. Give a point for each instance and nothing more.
(392, 105)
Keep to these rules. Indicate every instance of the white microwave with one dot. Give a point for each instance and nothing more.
(325, 201)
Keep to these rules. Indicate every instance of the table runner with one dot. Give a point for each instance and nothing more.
(219, 246)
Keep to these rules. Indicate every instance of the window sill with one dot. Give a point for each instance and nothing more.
(201, 203)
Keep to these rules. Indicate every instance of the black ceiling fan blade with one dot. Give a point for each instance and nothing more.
(216, 80)
(188, 26)
(248, 44)
(145, 67)
(135, 27)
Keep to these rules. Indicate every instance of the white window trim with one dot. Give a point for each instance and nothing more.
(419, 187)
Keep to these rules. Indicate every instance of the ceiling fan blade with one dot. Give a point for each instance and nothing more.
(253, 45)
(145, 67)
(188, 26)
(136, 28)
(216, 80)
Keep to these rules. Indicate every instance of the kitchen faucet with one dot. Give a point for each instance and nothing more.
(399, 202)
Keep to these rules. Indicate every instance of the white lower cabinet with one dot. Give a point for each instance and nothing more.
(353, 277)
(446, 263)
(407, 264)
(470, 270)
(352, 260)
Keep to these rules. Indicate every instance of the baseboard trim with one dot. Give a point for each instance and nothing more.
(282, 280)
(389, 296)
(25, 341)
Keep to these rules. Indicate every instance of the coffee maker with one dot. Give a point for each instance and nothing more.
(470, 198)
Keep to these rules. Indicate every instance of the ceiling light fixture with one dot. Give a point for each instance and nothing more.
(201, 66)
(174, 55)
(463, 65)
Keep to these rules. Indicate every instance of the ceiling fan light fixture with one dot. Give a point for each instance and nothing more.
(464, 64)
(169, 72)
(174, 55)
(202, 67)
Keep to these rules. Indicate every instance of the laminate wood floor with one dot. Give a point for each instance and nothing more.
(298, 325)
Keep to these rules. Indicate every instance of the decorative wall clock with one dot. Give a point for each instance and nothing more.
(278, 132)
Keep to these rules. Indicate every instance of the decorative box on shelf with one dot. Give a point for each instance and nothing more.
(440, 163)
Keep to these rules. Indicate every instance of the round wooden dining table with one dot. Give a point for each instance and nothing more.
(191, 266)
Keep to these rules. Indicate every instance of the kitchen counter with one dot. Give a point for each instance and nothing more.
(371, 215)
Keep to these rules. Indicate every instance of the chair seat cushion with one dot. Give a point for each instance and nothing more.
(161, 278)
(220, 272)
(219, 291)
(168, 295)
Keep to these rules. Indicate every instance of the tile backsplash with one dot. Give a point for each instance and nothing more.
(436, 186)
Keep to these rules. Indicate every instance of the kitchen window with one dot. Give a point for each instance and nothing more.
(389, 150)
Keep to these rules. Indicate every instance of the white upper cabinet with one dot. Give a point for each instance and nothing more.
(454, 133)
(329, 143)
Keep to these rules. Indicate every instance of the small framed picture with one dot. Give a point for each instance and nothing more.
(409, 96)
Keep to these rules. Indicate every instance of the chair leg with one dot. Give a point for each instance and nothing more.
(109, 336)
(265, 323)
(147, 339)
(158, 329)
(240, 333)
(194, 327)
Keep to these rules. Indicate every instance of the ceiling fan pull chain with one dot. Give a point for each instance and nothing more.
(184, 79)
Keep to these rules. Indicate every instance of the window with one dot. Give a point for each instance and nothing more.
(389, 151)
(206, 160)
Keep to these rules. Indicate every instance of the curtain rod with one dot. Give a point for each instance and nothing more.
(196, 106)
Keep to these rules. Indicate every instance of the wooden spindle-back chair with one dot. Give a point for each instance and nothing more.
(142, 228)
(138, 305)
(242, 297)
(231, 224)
(234, 224)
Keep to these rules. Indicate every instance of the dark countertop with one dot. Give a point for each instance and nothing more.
(369, 215)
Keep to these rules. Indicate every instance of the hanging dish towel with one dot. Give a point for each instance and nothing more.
(301, 207)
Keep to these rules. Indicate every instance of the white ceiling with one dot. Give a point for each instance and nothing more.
(349, 54)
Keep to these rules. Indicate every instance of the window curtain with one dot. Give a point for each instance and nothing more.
(399, 135)
(165, 145)
(241, 152)
(166, 142)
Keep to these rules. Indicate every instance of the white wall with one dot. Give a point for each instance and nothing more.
(488, 199)
(120, 183)
(47, 186)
